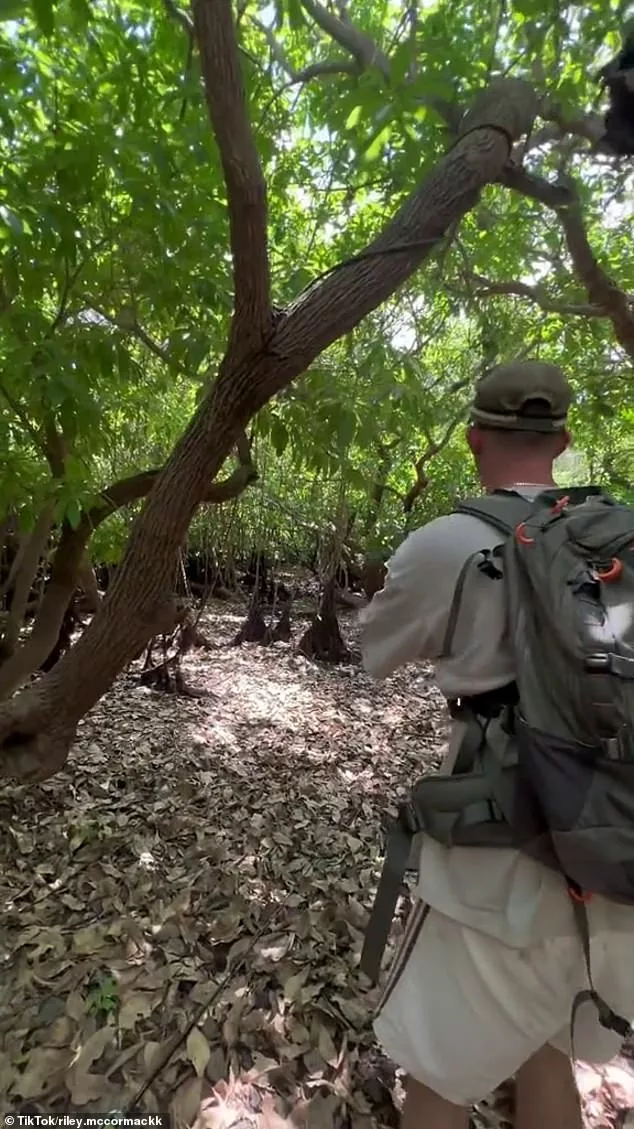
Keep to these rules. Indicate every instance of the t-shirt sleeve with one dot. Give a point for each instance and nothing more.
(406, 620)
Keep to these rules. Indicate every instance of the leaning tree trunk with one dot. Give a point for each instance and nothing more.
(266, 352)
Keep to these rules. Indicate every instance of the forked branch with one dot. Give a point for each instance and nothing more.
(488, 287)
(601, 289)
(246, 188)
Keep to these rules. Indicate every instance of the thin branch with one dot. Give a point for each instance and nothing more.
(128, 490)
(433, 448)
(366, 52)
(246, 188)
(486, 287)
(587, 127)
(323, 69)
(17, 410)
(413, 18)
(180, 16)
(132, 327)
(601, 289)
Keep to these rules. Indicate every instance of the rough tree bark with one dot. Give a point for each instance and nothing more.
(266, 351)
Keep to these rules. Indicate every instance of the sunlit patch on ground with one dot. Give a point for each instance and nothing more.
(197, 882)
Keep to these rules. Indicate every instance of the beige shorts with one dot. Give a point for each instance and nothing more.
(461, 1012)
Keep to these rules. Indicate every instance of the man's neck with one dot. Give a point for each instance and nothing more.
(511, 482)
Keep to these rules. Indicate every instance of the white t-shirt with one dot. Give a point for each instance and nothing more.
(497, 890)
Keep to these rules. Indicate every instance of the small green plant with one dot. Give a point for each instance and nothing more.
(103, 995)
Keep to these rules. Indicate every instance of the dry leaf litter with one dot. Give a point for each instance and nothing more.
(183, 907)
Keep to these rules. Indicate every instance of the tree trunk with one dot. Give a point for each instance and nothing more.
(36, 649)
(37, 728)
(281, 632)
(374, 573)
(70, 563)
(30, 554)
(352, 600)
(254, 628)
(377, 492)
(87, 581)
(322, 640)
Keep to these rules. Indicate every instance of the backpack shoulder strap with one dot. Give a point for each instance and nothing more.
(502, 510)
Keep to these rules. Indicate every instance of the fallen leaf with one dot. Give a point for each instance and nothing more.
(135, 1007)
(185, 1103)
(90, 940)
(198, 1050)
(321, 1111)
(45, 1069)
(294, 985)
(59, 1034)
(151, 1055)
(275, 948)
(85, 1087)
(326, 1047)
(76, 1007)
(261, 1066)
(93, 1048)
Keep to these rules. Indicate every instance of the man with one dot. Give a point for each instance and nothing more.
(491, 960)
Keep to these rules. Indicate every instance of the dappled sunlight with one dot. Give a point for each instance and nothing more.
(205, 866)
(232, 839)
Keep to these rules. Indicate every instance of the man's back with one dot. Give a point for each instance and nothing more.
(490, 964)
(498, 891)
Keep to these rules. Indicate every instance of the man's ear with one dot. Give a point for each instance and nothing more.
(474, 439)
(565, 439)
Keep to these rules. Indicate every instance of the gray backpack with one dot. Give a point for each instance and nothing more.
(547, 764)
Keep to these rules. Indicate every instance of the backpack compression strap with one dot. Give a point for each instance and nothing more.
(608, 1018)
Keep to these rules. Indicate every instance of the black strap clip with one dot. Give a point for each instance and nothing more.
(489, 566)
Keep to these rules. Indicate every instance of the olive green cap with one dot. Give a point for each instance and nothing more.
(522, 396)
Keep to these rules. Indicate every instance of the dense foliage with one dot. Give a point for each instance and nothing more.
(115, 270)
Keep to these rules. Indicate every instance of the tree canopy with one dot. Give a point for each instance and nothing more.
(163, 284)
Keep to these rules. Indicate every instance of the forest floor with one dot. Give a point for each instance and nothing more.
(183, 907)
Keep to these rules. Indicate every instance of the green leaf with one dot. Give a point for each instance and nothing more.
(11, 9)
(73, 513)
(346, 424)
(81, 11)
(296, 18)
(11, 220)
(44, 14)
(354, 117)
(375, 147)
(279, 435)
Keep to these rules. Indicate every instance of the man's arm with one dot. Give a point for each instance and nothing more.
(405, 621)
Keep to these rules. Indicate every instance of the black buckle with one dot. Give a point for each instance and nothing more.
(488, 566)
